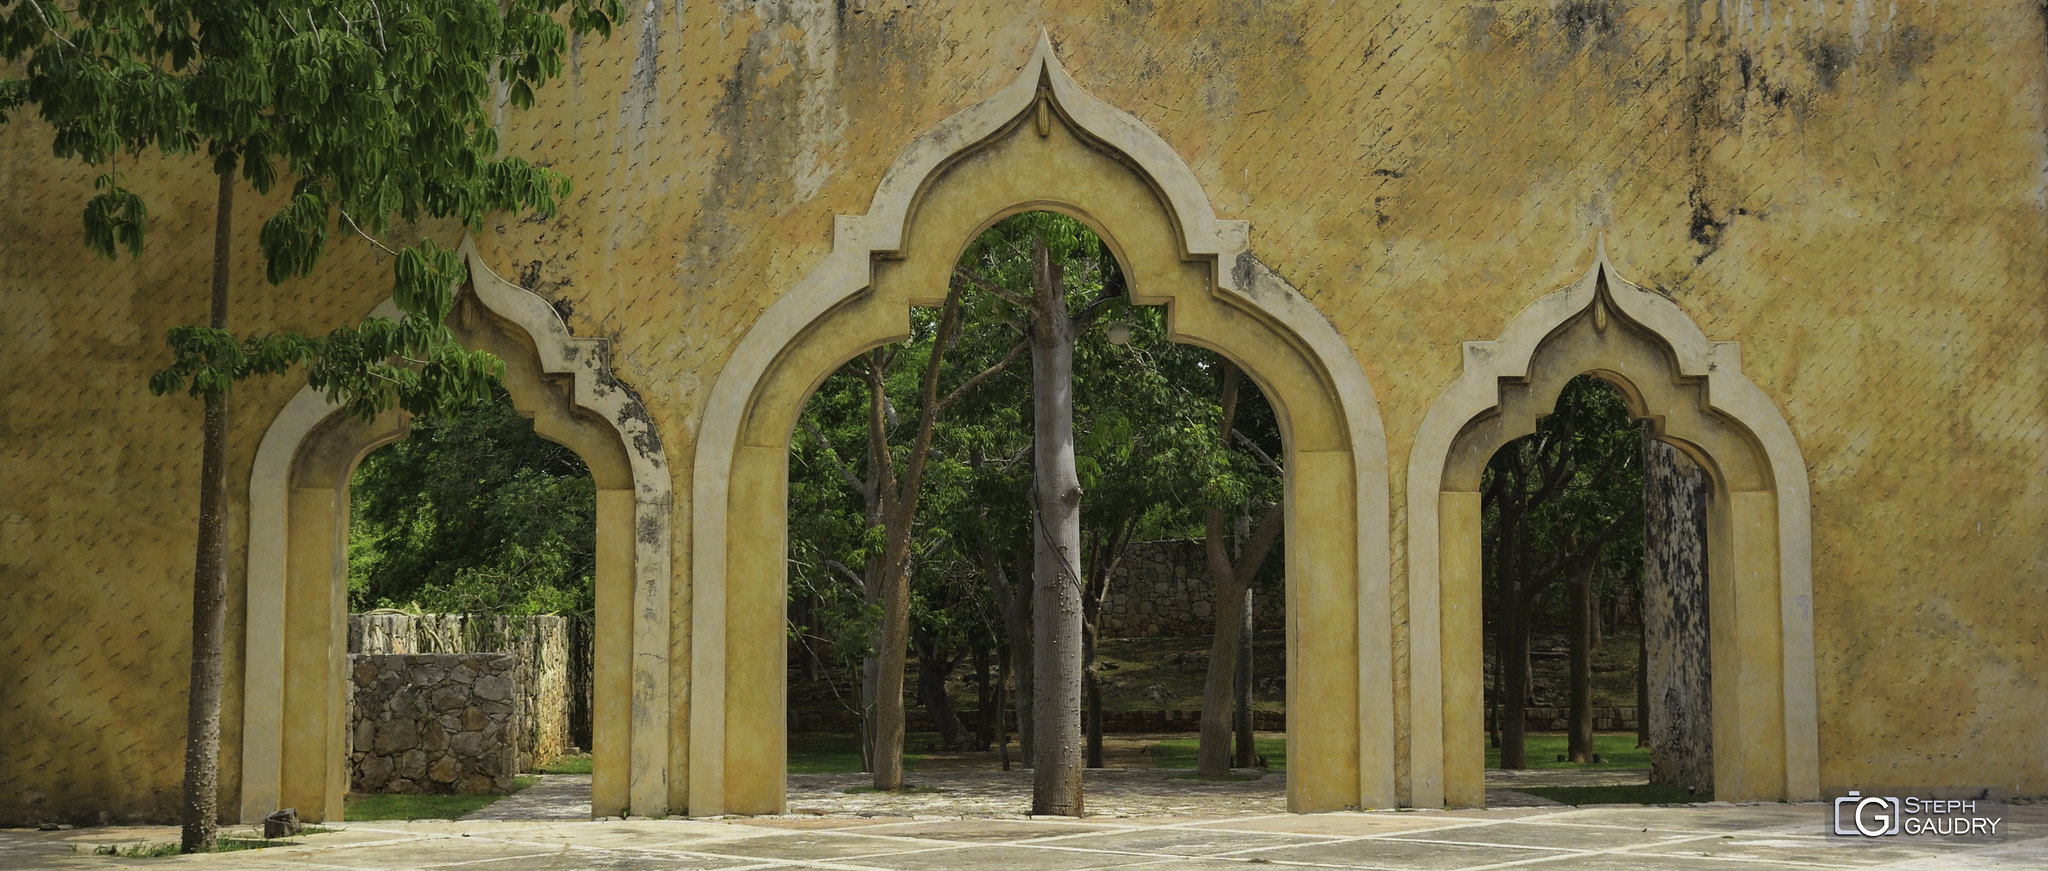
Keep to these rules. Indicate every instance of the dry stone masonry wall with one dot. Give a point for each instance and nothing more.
(433, 722)
(539, 645)
(1162, 588)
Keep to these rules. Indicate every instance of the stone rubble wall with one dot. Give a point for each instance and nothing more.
(433, 723)
(539, 646)
(1163, 588)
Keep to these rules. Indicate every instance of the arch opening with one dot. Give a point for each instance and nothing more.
(295, 681)
(1152, 461)
(1086, 159)
(1693, 397)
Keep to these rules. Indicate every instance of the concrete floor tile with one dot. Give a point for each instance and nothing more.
(1697, 819)
(813, 845)
(1525, 834)
(1626, 862)
(412, 854)
(985, 830)
(1004, 856)
(1817, 850)
(1339, 824)
(811, 822)
(1181, 841)
(603, 860)
(1393, 854)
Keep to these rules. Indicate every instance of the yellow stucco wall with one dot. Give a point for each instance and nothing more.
(1859, 196)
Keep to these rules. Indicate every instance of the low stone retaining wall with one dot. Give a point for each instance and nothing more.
(540, 646)
(433, 723)
(1559, 719)
(1163, 588)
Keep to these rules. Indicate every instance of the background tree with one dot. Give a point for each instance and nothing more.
(891, 487)
(1233, 492)
(371, 112)
(473, 513)
(1039, 285)
(1557, 504)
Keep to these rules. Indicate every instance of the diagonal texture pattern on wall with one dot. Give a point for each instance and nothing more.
(1857, 196)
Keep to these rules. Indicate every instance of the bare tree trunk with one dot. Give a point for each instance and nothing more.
(1642, 684)
(1247, 754)
(1023, 664)
(934, 667)
(899, 511)
(201, 809)
(1514, 663)
(1056, 567)
(1002, 690)
(870, 667)
(985, 700)
(1212, 753)
(1579, 734)
(1675, 619)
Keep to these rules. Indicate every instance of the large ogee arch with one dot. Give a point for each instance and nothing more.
(293, 690)
(1759, 537)
(1043, 143)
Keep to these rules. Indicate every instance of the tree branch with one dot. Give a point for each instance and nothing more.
(1264, 458)
(991, 288)
(984, 375)
(845, 471)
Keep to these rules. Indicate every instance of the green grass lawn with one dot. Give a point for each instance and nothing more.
(1542, 749)
(1180, 752)
(839, 752)
(362, 807)
(578, 764)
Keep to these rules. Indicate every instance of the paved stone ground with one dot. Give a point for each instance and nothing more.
(554, 797)
(1142, 820)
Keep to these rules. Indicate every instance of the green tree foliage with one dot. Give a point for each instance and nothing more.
(1147, 456)
(1561, 504)
(374, 114)
(473, 513)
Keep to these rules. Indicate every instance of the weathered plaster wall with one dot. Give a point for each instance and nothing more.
(1855, 191)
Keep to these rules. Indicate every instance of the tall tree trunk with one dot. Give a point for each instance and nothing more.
(1091, 679)
(1514, 660)
(1056, 547)
(1675, 618)
(1247, 754)
(870, 669)
(899, 509)
(1015, 600)
(201, 811)
(1212, 753)
(934, 667)
(986, 703)
(1642, 684)
(1024, 664)
(1579, 732)
(1002, 690)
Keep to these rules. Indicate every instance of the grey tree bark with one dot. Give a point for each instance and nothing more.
(1675, 639)
(200, 812)
(1247, 754)
(1579, 732)
(1056, 546)
(1233, 583)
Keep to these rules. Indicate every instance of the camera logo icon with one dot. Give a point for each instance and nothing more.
(1871, 816)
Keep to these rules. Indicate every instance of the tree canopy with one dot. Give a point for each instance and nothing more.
(473, 513)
